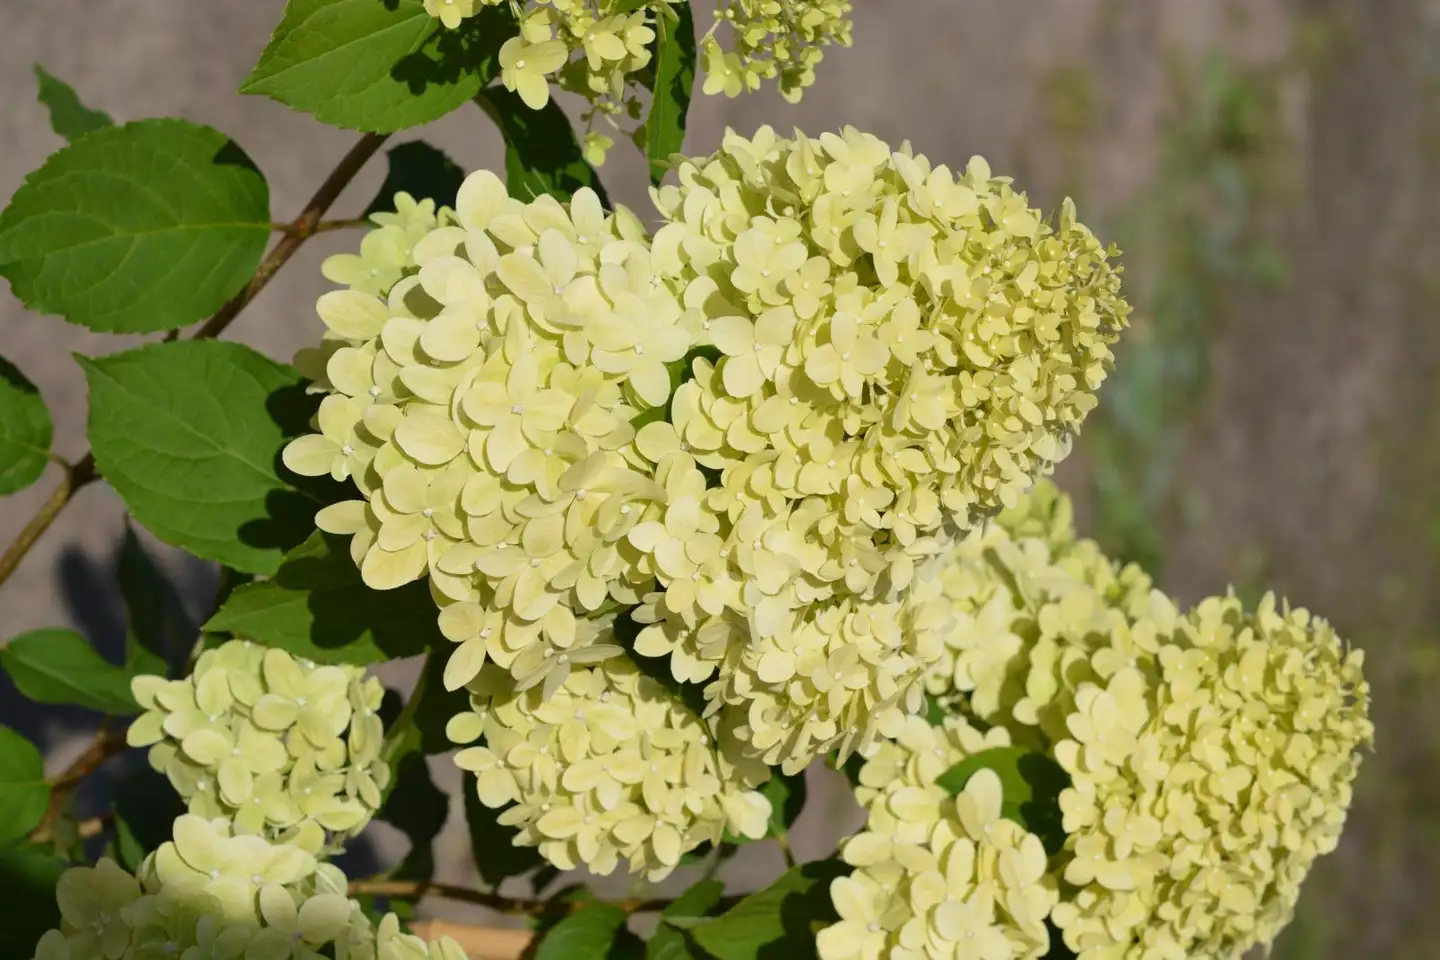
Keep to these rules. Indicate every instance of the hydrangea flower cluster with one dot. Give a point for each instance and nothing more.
(938, 875)
(210, 894)
(898, 353)
(611, 766)
(280, 747)
(1210, 753)
(754, 435)
(595, 48)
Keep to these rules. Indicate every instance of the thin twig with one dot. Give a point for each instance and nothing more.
(107, 742)
(419, 889)
(74, 479)
(300, 230)
(297, 232)
(84, 829)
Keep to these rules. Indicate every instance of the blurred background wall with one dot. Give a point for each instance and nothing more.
(1267, 166)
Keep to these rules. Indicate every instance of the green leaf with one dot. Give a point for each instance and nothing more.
(934, 710)
(423, 172)
(158, 632)
(496, 856)
(593, 932)
(146, 806)
(69, 117)
(674, 81)
(779, 921)
(787, 798)
(25, 430)
(60, 666)
(1031, 783)
(419, 809)
(28, 875)
(189, 434)
(133, 229)
(378, 65)
(670, 941)
(317, 606)
(437, 705)
(541, 152)
(24, 795)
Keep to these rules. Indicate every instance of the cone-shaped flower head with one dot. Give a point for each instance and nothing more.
(284, 748)
(1211, 754)
(210, 894)
(611, 766)
(936, 874)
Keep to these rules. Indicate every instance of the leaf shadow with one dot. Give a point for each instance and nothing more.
(11, 374)
(290, 513)
(448, 55)
(231, 155)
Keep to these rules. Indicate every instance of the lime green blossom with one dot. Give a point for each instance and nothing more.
(610, 766)
(1206, 782)
(484, 412)
(597, 48)
(281, 747)
(1211, 753)
(211, 894)
(935, 874)
(780, 40)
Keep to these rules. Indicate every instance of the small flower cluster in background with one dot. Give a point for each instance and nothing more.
(209, 894)
(610, 767)
(597, 48)
(754, 435)
(280, 747)
(1210, 754)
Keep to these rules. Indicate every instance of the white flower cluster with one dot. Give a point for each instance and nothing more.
(596, 48)
(899, 352)
(610, 766)
(938, 875)
(1210, 753)
(281, 747)
(755, 433)
(209, 894)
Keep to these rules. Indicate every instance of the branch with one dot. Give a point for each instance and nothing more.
(75, 478)
(296, 233)
(419, 889)
(106, 743)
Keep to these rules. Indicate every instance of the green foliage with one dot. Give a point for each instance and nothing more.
(60, 666)
(670, 941)
(25, 430)
(786, 794)
(670, 93)
(316, 606)
(377, 65)
(69, 117)
(595, 931)
(541, 152)
(1030, 782)
(779, 921)
(28, 875)
(189, 434)
(24, 794)
(420, 170)
(133, 229)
